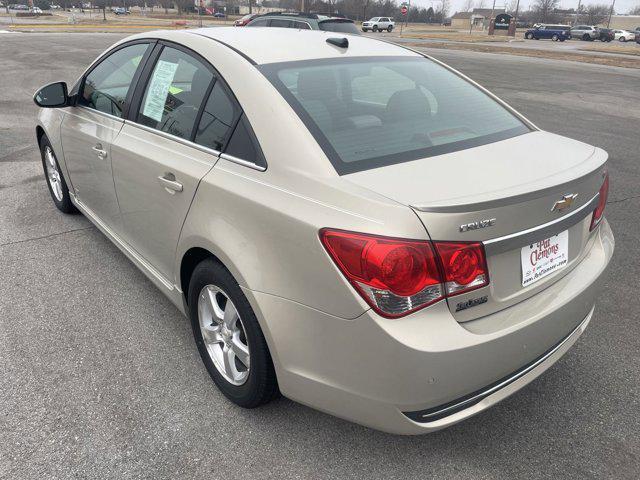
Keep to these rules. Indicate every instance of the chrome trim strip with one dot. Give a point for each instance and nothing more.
(168, 136)
(518, 239)
(519, 374)
(239, 161)
(104, 114)
(143, 264)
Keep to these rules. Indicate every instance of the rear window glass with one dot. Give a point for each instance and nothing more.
(371, 112)
(338, 26)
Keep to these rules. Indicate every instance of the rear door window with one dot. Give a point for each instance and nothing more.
(174, 93)
(341, 26)
(301, 25)
(243, 144)
(281, 23)
(218, 118)
(258, 22)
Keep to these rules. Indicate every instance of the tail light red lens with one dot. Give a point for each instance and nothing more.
(397, 276)
(464, 266)
(598, 213)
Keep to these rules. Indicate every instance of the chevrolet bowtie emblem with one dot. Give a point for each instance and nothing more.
(566, 202)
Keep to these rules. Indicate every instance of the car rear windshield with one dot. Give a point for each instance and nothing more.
(369, 112)
(343, 26)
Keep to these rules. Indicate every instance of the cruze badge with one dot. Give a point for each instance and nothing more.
(489, 222)
(566, 202)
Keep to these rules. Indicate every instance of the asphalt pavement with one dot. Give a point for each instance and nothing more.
(99, 376)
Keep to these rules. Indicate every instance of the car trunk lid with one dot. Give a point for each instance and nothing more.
(503, 195)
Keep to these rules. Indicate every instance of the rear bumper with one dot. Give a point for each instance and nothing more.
(387, 373)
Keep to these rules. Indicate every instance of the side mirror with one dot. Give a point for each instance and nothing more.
(53, 95)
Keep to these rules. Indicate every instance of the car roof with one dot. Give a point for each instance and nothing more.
(271, 45)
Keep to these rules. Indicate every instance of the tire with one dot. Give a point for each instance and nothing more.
(375, 28)
(365, 30)
(603, 39)
(622, 39)
(554, 37)
(55, 180)
(529, 36)
(390, 28)
(586, 37)
(255, 383)
(562, 39)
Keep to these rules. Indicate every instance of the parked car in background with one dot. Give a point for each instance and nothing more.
(553, 32)
(584, 32)
(241, 22)
(121, 11)
(219, 15)
(605, 35)
(36, 10)
(378, 24)
(624, 35)
(305, 21)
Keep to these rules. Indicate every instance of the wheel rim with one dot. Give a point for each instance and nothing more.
(53, 174)
(223, 334)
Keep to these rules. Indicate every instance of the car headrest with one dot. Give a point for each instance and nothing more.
(407, 104)
(200, 81)
(318, 84)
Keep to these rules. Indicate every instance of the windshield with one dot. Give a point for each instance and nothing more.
(371, 112)
(343, 26)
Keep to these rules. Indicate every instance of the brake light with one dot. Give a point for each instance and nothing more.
(397, 276)
(464, 266)
(598, 213)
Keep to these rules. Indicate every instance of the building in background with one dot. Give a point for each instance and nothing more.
(478, 19)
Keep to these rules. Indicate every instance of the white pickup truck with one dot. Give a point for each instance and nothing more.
(378, 24)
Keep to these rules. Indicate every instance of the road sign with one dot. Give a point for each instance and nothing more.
(403, 10)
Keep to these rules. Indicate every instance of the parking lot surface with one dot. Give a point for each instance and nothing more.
(99, 376)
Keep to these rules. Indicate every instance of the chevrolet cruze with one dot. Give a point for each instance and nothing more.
(345, 221)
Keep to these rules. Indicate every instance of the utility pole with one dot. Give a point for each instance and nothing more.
(578, 12)
(516, 14)
(613, 3)
(492, 10)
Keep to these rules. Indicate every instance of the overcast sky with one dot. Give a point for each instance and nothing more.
(622, 6)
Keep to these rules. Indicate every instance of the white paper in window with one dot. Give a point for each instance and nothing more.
(159, 89)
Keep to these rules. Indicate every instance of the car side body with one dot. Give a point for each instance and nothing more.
(378, 24)
(552, 32)
(169, 203)
(584, 32)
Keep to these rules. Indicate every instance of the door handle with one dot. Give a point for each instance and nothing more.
(170, 184)
(102, 154)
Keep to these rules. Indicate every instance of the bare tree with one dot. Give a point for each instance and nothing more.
(480, 4)
(635, 10)
(467, 6)
(544, 8)
(511, 7)
(442, 10)
(596, 14)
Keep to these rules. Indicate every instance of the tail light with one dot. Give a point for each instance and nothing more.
(598, 213)
(464, 266)
(397, 276)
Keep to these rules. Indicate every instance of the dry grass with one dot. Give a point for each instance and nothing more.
(628, 48)
(464, 37)
(526, 52)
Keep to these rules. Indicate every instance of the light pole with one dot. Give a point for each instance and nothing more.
(611, 13)
(577, 12)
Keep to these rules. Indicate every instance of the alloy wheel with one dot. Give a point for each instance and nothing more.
(53, 174)
(223, 334)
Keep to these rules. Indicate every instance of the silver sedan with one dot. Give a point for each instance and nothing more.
(344, 221)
